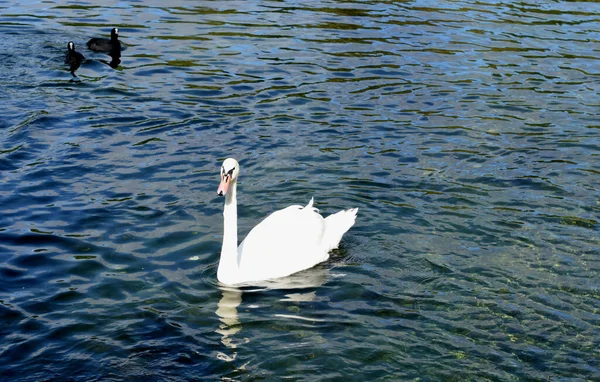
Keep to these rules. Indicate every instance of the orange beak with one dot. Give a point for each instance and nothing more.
(224, 185)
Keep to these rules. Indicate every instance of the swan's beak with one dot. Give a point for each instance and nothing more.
(224, 185)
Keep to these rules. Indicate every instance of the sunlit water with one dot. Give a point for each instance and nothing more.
(467, 134)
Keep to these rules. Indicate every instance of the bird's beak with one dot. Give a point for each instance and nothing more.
(224, 185)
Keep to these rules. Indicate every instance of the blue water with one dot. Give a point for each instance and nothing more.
(467, 134)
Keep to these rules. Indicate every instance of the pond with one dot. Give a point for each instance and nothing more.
(467, 133)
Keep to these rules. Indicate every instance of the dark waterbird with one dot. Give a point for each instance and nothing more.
(73, 58)
(112, 45)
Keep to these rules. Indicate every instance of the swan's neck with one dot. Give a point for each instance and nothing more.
(228, 264)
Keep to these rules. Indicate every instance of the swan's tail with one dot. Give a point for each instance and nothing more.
(336, 226)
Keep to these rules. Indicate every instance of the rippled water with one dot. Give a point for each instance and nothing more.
(467, 134)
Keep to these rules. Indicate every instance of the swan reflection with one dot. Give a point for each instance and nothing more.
(227, 308)
(230, 324)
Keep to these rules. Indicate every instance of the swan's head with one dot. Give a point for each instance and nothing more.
(229, 173)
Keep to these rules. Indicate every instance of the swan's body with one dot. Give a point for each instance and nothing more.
(285, 242)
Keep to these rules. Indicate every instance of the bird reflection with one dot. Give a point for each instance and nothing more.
(115, 59)
(227, 311)
(230, 324)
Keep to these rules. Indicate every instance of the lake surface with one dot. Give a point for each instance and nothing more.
(467, 133)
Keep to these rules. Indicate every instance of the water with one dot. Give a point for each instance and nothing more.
(466, 133)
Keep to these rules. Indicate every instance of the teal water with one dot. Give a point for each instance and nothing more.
(467, 133)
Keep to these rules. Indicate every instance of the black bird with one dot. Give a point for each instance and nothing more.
(105, 45)
(73, 58)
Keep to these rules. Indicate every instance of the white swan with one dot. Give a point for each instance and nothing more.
(287, 241)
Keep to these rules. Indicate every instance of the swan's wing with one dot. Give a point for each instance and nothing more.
(285, 242)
